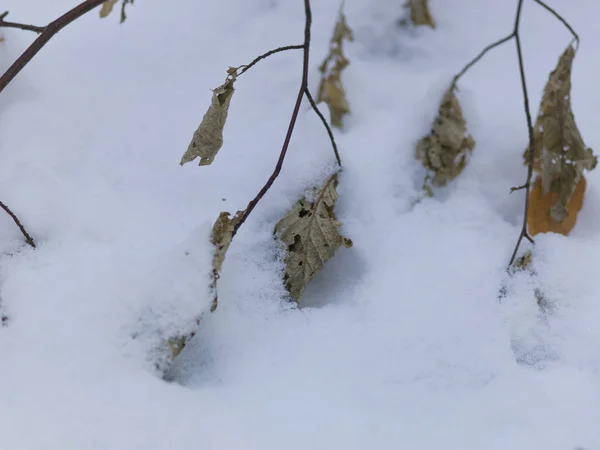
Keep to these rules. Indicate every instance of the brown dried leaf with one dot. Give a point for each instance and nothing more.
(560, 154)
(331, 90)
(446, 149)
(539, 219)
(208, 138)
(221, 236)
(310, 232)
(107, 7)
(420, 14)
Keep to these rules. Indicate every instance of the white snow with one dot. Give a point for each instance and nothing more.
(403, 342)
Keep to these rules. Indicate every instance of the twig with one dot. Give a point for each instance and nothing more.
(560, 18)
(327, 127)
(530, 162)
(48, 32)
(27, 236)
(20, 26)
(246, 67)
(288, 136)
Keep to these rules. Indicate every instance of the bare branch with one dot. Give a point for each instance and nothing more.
(20, 26)
(560, 18)
(15, 219)
(247, 67)
(288, 136)
(327, 127)
(45, 36)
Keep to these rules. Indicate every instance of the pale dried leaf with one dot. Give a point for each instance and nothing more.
(107, 7)
(331, 90)
(221, 236)
(420, 14)
(208, 138)
(446, 149)
(559, 150)
(310, 232)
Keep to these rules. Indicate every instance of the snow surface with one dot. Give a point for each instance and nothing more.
(403, 342)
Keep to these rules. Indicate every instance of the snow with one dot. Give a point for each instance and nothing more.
(403, 341)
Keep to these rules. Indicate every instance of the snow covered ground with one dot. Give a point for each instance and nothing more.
(403, 342)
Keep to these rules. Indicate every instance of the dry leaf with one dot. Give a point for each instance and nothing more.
(208, 138)
(107, 7)
(420, 14)
(310, 232)
(331, 90)
(539, 219)
(446, 149)
(560, 154)
(221, 236)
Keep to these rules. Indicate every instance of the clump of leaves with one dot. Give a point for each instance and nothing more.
(208, 138)
(331, 90)
(560, 156)
(310, 232)
(419, 13)
(445, 151)
(221, 236)
(108, 6)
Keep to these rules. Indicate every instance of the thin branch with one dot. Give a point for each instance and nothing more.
(247, 67)
(45, 36)
(560, 18)
(478, 57)
(531, 155)
(15, 219)
(327, 127)
(20, 26)
(288, 136)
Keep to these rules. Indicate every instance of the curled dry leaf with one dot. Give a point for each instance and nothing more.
(310, 232)
(208, 138)
(221, 236)
(560, 155)
(420, 14)
(331, 90)
(107, 7)
(445, 151)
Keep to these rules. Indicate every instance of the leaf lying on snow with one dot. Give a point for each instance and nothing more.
(560, 155)
(310, 231)
(221, 236)
(419, 13)
(445, 151)
(208, 138)
(331, 90)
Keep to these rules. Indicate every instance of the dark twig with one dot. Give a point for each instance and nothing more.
(560, 18)
(478, 57)
(327, 127)
(45, 36)
(530, 162)
(20, 26)
(247, 67)
(531, 155)
(288, 136)
(27, 236)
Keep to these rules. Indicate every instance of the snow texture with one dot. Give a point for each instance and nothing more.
(405, 340)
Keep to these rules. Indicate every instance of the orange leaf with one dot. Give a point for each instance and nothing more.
(538, 216)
